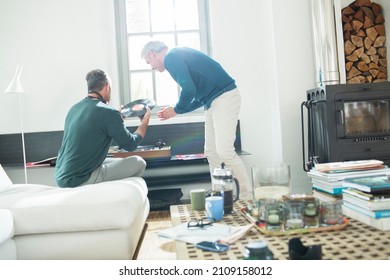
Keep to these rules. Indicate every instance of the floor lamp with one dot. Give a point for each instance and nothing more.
(15, 87)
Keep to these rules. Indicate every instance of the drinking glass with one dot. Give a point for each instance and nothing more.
(271, 180)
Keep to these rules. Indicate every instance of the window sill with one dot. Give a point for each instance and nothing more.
(175, 120)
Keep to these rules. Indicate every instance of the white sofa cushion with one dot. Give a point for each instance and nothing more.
(6, 225)
(44, 209)
(7, 245)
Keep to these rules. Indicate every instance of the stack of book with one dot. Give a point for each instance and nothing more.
(367, 199)
(327, 178)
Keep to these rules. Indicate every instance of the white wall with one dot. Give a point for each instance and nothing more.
(57, 42)
(266, 45)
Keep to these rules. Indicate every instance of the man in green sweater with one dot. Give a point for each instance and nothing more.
(90, 127)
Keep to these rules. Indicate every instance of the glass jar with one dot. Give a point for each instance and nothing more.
(257, 251)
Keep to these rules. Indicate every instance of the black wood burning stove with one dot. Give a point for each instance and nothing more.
(346, 122)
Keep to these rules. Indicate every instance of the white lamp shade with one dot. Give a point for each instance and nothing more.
(15, 86)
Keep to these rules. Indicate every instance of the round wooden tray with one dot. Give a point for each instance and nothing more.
(262, 228)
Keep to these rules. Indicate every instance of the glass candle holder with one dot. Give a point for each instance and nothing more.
(331, 213)
(311, 213)
(261, 204)
(273, 216)
(293, 214)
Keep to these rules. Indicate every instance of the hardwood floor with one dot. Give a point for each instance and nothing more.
(154, 247)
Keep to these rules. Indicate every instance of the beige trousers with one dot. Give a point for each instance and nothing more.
(220, 133)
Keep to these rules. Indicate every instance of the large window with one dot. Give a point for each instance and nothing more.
(175, 22)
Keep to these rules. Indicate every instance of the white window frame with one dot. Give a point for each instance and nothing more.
(122, 45)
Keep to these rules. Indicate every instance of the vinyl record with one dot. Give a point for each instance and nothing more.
(137, 108)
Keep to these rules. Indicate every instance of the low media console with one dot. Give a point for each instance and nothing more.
(183, 170)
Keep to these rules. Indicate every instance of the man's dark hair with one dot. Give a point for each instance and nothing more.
(96, 80)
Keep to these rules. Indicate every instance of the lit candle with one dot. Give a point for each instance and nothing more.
(294, 223)
(333, 220)
(310, 209)
(273, 219)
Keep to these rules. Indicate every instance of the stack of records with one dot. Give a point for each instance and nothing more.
(327, 178)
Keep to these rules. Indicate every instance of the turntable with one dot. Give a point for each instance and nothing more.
(156, 151)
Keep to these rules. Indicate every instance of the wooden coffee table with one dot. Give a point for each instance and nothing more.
(357, 241)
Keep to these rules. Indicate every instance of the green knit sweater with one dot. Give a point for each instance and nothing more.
(90, 127)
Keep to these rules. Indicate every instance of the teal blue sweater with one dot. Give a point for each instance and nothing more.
(201, 78)
(90, 127)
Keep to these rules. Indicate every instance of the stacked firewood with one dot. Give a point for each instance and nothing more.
(364, 42)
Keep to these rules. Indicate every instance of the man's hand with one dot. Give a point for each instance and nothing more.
(166, 113)
(141, 130)
(146, 116)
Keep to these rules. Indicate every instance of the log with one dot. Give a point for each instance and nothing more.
(368, 22)
(353, 72)
(347, 27)
(362, 3)
(356, 25)
(371, 51)
(383, 62)
(379, 41)
(380, 19)
(361, 33)
(346, 19)
(373, 65)
(359, 52)
(369, 13)
(359, 15)
(362, 66)
(365, 58)
(382, 69)
(348, 11)
(380, 28)
(352, 57)
(381, 75)
(377, 9)
(367, 43)
(382, 52)
(349, 47)
(374, 58)
(372, 33)
(349, 65)
(357, 41)
(379, 80)
(347, 35)
(374, 72)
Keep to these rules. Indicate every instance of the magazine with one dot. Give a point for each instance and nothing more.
(214, 232)
(371, 184)
(349, 165)
(45, 162)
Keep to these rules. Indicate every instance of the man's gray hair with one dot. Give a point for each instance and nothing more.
(154, 46)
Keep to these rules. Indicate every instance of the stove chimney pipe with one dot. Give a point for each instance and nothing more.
(325, 43)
